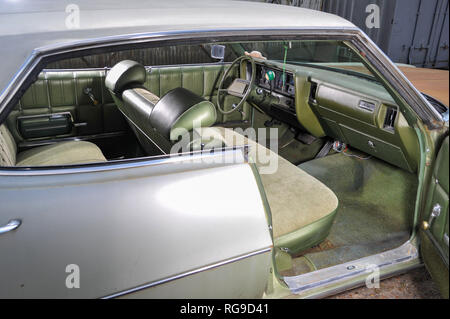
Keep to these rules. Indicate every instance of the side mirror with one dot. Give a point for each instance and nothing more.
(218, 52)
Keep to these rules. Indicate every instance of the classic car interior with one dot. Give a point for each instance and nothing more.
(346, 179)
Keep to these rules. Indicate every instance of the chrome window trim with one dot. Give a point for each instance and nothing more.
(148, 67)
(188, 273)
(375, 56)
(237, 152)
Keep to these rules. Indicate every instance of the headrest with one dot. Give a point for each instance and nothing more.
(123, 74)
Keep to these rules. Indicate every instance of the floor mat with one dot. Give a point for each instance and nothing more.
(376, 207)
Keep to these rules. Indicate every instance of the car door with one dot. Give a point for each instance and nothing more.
(434, 231)
(190, 226)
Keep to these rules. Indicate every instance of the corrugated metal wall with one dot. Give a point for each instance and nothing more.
(419, 34)
(355, 11)
(410, 31)
(310, 4)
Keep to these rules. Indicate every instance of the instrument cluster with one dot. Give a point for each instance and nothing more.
(275, 80)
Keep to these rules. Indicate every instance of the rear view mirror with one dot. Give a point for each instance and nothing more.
(218, 52)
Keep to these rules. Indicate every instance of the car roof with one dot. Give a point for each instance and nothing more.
(30, 24)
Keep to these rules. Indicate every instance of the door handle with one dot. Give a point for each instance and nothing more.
(12, 224)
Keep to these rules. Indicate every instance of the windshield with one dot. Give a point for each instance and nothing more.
(334, 55)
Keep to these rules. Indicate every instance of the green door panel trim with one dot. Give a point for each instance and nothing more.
(62, 91)
(434, 246)
(439, 251)
(436, 264)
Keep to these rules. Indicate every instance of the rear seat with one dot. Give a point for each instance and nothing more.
(303, 209)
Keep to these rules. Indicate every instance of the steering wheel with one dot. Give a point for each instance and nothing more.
(240, 87)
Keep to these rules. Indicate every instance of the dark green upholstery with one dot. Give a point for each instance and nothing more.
(157, 122)
(62, 91)
(201, 80)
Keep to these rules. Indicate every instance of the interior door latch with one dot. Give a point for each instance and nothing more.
(435, 212)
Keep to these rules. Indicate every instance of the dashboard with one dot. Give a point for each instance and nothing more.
(348, 108)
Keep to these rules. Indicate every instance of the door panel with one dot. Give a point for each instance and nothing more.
(54, 124)
(64, 91)
(434, 230)
(140, 225)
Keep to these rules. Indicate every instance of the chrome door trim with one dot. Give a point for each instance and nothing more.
(188, 273)
(375, 56)
(236, 154)
(148, 67)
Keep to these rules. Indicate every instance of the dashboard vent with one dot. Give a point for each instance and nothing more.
(389, 120)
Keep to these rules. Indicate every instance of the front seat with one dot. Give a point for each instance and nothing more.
(62, 153)
(302, 208)
(158, 123)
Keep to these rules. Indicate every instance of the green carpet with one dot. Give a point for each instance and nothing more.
(376, 207)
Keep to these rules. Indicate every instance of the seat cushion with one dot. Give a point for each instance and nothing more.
(8, 147)
(62, 153)
(302, 207)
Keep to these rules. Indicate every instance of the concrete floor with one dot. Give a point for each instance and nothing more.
(416, 284)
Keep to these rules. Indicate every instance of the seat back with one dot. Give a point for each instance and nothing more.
(158, 123)
(8, 147)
